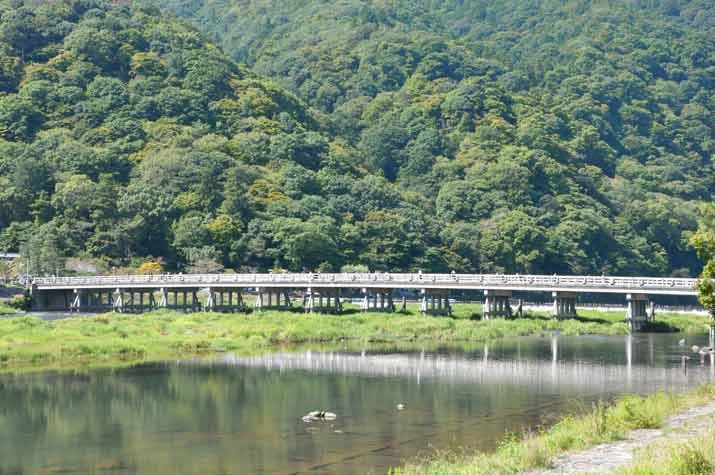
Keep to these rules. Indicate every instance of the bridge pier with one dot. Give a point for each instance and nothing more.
(636, 313)
(52, 300)
(324, 300)
(266, 296)
(377, 300)
(184, 300)
(164, 299)
(497, 304)
(210, 304)
(76, 304)
(435, 302)
(225, 300)
(564, 304)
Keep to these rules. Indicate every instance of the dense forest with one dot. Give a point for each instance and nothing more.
(493, 136)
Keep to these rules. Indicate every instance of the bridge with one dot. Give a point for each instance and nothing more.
(325, 292)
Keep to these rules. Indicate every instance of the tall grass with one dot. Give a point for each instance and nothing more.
(603, 423)
(31, 340)
(167, 334)
(673, 457)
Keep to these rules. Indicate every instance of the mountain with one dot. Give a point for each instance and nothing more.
(543, 136)
(572, 136)
(125, 134)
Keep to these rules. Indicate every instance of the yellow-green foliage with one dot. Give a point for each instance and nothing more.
(695, 457)
(93, 340)
(602, 424)
(161, 334)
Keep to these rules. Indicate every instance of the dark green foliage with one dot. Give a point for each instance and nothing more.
(574, 136)
(570, 137)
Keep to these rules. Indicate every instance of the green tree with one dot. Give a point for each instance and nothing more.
(704, 242)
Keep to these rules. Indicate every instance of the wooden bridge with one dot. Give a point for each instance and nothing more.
(325, 292)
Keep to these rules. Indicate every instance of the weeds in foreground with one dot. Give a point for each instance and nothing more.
(603, 423)
(694, 457)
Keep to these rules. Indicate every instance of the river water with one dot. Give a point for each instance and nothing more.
(236, 414)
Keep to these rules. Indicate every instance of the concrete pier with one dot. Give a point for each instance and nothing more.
(377, 300)
(270, 298)
(497, 304)
(435, 302)
(564, 304)
(322, 301)
(637, 313)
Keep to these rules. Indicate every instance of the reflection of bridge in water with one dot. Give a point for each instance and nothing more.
(424, 366)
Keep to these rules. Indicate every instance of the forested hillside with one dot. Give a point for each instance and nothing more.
(569, 137)
(560, 136)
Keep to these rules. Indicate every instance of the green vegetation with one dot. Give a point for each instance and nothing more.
(695, 457)
(553, 136)
(556, 136)
(154, 336)
(704, 241)
(602, 424)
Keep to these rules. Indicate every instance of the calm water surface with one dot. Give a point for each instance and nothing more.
(243, 414)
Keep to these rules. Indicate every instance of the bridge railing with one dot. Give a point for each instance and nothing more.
(411, 280)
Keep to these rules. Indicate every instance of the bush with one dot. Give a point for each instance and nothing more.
(21, 302)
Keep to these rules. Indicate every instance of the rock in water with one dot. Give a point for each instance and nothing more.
(319, 416)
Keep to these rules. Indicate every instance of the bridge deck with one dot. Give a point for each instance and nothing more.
(534, 283)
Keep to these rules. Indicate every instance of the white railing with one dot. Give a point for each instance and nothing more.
(513, 282)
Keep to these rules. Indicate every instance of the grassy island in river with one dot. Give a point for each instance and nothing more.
(109, 338)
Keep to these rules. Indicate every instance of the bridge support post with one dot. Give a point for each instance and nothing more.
(227, 305)
(258, 304)
(195, 303)
(164, 300)
(210, 305)
(497, 304)
(435, 302)
(77, 301)
(338, 301)
(636, 314)
(308, 300)
(240, 304)
(377, 300)
(564, 305)
(118, 302)
(128, 301)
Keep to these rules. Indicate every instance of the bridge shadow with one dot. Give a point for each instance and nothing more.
(660, 327)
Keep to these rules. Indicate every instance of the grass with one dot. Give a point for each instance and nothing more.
(694, 457)
(603, 423)
(5, 309)
(110, 338)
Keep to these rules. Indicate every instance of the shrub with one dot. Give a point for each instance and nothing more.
(21, 302)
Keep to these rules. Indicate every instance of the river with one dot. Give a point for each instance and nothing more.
(242, 414)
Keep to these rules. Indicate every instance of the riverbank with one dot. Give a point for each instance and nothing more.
(105, 339)
(603, 424)
(667, 450)
(690, 451)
